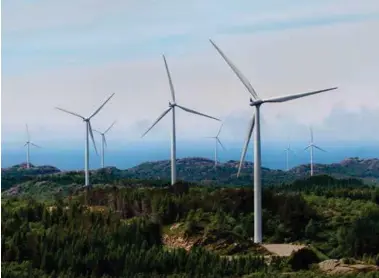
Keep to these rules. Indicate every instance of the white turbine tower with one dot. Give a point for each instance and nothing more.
(287, 151)
(88, 132)
(310, 147)
(217, 142)
(104, 142)
(27, 145)
(257, 102)
(171, 107)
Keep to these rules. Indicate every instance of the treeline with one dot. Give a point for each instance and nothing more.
(330, 187)
(290, 210)
(287, 216)
(76, 242)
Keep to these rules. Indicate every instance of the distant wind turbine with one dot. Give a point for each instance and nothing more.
(171, 107)
(217, 142)
(256, 102)
(27, 144)
(287, 151)
(88, 132)
(104, 142)
(311, 146)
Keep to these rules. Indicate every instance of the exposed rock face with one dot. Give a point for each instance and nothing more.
(338, 267)
(177, 241)
(13, 191)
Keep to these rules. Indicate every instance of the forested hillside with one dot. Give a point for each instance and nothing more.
(134, 231)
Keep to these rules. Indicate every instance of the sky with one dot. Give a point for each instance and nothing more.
(74, 54)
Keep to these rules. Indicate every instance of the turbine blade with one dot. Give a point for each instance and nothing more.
(93, 139)
(219, 131)
(72, 113)
(26, 144)
(109, 128)
(319, 148)
(169, 79)
(157, 120)
(308, 147)
(241, 77)
(97, 131)
(98, 110)
(295, 96)
(197, 113)
(218, 140)
(35, 145)
(27, 132)
(247, 141)
(105, 141)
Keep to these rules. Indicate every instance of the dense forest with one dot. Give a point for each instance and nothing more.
(122, 231)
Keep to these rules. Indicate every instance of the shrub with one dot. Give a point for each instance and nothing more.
(302, 259)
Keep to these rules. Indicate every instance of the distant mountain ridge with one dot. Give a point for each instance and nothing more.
(201, 170)
(33, 170)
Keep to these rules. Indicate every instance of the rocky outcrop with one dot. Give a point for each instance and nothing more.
(173, 241)
(338, 267)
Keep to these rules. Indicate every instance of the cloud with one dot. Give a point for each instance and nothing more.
(298, 59)
(26, 16)
(52, 35)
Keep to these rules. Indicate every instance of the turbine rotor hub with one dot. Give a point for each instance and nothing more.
(171, 104)
(256, 102)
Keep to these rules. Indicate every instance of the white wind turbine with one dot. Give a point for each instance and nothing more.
(171, 107)
(217, 142)
(88, 132)
(257, 102)
(27, 144)
(287, 151)
(311, 146)
(104, 142)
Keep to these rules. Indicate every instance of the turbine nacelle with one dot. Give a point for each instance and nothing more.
(255, 102)
(171, 104)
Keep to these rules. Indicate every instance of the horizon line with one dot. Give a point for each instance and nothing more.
(194, 157)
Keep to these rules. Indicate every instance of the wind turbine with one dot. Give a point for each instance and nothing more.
(256, 102)
(288, 150)
(27, 144)
(217, 142)
(171, 107)
(104, 142)
(311, 146)
(88, 131)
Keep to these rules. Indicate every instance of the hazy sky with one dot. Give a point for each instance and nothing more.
(74, 54)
